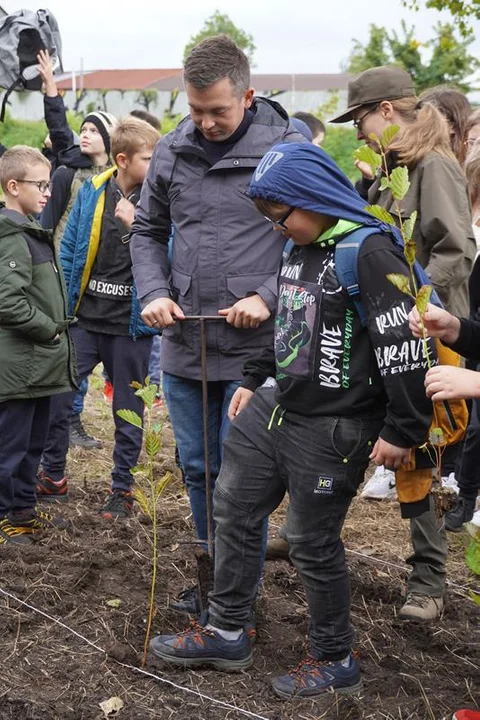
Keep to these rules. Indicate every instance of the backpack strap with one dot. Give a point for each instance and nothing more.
(346, 260)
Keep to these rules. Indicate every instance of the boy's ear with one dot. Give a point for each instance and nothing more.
(12, 187)
(121, 161)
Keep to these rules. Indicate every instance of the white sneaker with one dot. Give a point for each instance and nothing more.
(381, 485)
(450, 482)
(476, 519)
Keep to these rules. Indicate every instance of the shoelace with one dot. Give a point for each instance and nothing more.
(195, 631)
(417, 600)
(308, 666)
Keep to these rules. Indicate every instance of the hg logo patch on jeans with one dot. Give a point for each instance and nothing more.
(324, 485)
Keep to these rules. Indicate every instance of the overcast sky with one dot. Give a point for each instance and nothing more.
(299, 37)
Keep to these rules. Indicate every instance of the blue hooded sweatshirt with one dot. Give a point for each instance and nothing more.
(326, 362)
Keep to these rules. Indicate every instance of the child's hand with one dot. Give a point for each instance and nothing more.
(438, 323)
(46, 71)
(240, 399)
(444, 382)
(125, 211)
(391, 456)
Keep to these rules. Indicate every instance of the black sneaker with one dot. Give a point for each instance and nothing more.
(119, 504)
(36, 521)
(314, 677)
(12, 535)
(461, 513)
(79, 436)
(49, 490)
(187, 602)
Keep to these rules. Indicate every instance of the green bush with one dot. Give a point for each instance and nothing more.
(340, 144)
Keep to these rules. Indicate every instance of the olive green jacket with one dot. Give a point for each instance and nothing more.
(33, 361)
(443, 232)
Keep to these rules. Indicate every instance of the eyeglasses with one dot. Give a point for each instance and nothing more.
(42, 185)
(357, 124)
(471, 142)
(281, 221)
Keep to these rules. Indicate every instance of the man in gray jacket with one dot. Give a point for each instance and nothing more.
(225, 259)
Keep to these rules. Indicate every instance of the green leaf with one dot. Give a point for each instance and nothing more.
(374, 138)
(384, 183)
(162, 483)
(380, 213)
(147, 381)
(367, 155)
(435, 436)
(136, 385)
(143, 501)
(152, 443)
(409, 224)
(147, 394)
(139, 470)
(399, 182)
(473, 556)
(131, 417)
(410, 252)
(475, 597)
(423, 296)
(401, 282)
(388, 134)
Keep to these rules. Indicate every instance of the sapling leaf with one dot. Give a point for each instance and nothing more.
(409, 224)
(368, 155)
(423, 296)
(475, 597)
(147, 381)
(374, 138)
(388, 134)
(114, 603)
(436, 437)
(473, 557)
(147, 394)
(130, 416)
(135, 384)
(399, 182)
(401, 282)
(152, 443)
(380, 213)
(139, 470)
(384, 183)
(410, 252)
(143, 500)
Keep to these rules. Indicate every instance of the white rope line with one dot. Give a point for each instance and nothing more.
(401, 567)
(132, 667)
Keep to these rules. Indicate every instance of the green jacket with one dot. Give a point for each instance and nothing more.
(32, 312)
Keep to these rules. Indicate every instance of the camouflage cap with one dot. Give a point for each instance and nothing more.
(386, 82)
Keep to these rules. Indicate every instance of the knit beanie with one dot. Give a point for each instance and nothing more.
(105, 124)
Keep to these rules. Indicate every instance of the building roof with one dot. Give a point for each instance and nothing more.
(171, 79)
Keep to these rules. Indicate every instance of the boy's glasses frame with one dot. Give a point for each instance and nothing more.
(42, 185)
(281, 221)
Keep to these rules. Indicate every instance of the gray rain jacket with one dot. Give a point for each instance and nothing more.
(223, 249)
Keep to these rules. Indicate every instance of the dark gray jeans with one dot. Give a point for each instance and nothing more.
(320, 461)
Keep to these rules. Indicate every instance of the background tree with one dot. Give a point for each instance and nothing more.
(148, 97)
(462, 11)
(449, 59)
(221, 23)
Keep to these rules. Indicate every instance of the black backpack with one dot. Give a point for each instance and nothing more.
(22, 35)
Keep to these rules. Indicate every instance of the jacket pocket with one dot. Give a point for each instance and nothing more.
(50, 364)
(16, 359)
(181, 332)
(230, 338)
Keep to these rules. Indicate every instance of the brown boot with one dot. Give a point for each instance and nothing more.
(277, 549)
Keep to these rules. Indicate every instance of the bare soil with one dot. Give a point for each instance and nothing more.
(53, 671)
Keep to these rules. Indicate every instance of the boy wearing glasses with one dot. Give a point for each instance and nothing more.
(346, 393)
(35, 349)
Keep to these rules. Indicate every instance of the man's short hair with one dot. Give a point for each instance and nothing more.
(17, 161)
(148, 117)
(133, 135)
(316, 126)
(216, 58)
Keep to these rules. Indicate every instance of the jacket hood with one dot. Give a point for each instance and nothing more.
(267, 112)
(12, 222)
(74, 158)
(304, 176)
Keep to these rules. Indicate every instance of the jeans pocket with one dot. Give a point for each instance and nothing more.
(347, 436)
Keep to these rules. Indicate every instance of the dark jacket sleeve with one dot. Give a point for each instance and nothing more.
(468, 343)
(56, 121)
(56, 206)
(362, 186)
(150, 234)
(400, 357)
(16, 311)
(257, 370)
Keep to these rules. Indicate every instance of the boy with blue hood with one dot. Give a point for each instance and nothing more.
(347, 392)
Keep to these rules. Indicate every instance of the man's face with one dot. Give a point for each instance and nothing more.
(91, 142)
(216, 110)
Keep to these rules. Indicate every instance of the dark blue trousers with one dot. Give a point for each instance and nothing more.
(469, 476)
(23, 429)
(124, 360)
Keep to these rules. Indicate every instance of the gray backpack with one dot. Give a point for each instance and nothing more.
(22, 35)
